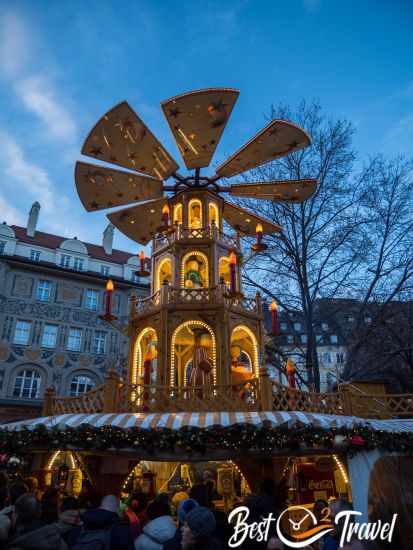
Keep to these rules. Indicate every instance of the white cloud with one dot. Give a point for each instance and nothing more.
(10, 214)
(26, 182)
(38, 93)
(14, 51)
(39, 98)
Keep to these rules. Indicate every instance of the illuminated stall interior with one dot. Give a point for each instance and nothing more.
(227, 482)
(66, 470)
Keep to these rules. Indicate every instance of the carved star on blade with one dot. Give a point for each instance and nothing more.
(273, 132)
(293, 145)
(94, 204)
(109, 204)
(174, 112)
(113, 158)
(217, 106)
(119, 195)
(132, 155)
(96, 151)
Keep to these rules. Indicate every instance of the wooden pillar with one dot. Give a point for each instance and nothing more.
(265, 386)
(48, 402)
(110, 392)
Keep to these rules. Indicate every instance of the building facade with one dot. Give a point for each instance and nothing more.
(331, 337)
(52, 291)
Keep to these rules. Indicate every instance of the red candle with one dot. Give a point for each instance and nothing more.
(109, 291)
(258, 231)
(291, 374)
(165, 215)
(273, 309)
(232, 269)
(142, 260)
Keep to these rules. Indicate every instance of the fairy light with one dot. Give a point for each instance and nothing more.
(158, 282)
(56, 455)
(137, 362)
(341, 468)
(130, 475)
(197, 254)
(251, 335)
(194, 323)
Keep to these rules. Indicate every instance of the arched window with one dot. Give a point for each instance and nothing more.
(213, 215)
(192, 342)
(27, 384)
(163, 273)
(177, 217)
(145, 364)
(195, 270)
(195, 214)
(224, 270)
(244, 352)
(81, 384)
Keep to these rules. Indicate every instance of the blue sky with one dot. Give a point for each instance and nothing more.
(63, 64)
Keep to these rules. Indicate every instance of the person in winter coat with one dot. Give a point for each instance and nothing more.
(69, 520)
(183, 510)
(198, 530)
(105, 521)
(159, 530)
(31, 533)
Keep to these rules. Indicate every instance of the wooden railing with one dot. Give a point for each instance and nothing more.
(183, 233)
(155, 398)
(219, 294)
(257, 394)
(285, 399)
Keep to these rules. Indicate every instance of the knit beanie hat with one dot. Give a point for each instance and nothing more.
(185, 507)
(201, 521)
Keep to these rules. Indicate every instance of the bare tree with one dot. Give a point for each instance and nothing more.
(384, 284)
(350, 240)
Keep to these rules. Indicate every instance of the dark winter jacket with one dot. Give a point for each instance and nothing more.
(98, 519)
(38, 537)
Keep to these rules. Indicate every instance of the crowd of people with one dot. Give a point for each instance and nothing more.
(32, 520)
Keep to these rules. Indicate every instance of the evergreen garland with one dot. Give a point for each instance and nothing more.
(238, 438)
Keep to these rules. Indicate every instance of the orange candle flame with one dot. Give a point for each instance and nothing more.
(110, 286)
(233, 259)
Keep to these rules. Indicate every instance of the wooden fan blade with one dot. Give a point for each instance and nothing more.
(287, 191)
(197, 120)
(99, 187)
(277, 139)
(246, 222)
(141, 221)
(122, 138)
